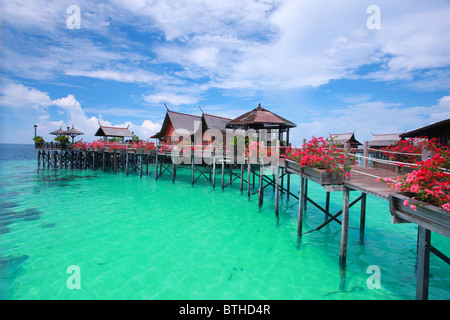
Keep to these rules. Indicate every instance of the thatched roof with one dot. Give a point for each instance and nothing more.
(58, 132)
(113, 132)
(73, 131)
(384, 140)
(343, 138)
(260, 118)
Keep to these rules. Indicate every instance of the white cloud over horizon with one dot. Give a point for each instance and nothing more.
(197, 52)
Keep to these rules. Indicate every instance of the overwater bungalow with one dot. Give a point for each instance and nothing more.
(440, 130)
(343, 138)
(379, 141)
(113, 132)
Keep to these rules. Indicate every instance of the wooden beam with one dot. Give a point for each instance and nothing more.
(301, 208)
(423, 263)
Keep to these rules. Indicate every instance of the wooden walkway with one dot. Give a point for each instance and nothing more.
(365, 180)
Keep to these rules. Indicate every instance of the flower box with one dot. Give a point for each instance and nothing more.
(293, 166)
(426, 215)
(321, 177)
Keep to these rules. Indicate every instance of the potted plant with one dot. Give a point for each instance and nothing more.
(63, 141)
(425, 192)
(38, 141)
(321, 161)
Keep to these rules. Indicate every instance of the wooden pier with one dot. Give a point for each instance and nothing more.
(278, 176)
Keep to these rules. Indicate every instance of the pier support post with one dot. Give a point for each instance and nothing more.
(301, 208)
(242, 177)
(174, 168)
(362, 219)
(366, 154)
(156, 167)
(344, 236)
(277, 190)
(423, 262)
(223, 173)
(214, 172)
(261, 189)
(327, 205)
(141, 161)
(249, 168)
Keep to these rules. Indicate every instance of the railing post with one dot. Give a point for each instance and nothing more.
(366, 154)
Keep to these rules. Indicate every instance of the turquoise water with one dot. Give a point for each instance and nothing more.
(137, 238)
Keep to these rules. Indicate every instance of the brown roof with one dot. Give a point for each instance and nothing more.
(178, 121)
(215, 122)
(260, 118)
(58, 132)
(113, 132)
(343, 138)
(73, 131)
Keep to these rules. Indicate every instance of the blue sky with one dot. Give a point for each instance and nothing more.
(317, 63)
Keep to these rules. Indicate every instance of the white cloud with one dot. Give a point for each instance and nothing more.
(373, 117)
(17, 95)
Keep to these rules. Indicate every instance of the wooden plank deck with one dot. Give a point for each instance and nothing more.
(364, 180)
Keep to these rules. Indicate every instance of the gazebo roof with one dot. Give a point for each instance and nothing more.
(261, 118)
(73, 131)
(60, 131)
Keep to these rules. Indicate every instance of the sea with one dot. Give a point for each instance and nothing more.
(93, 235)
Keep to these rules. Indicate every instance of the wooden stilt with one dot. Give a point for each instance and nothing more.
(423, 262)
(362, 220)
(223, 173)
(261, 189)
(242, 177)
(301, 208)
(192, 168)
(249, 167)
(103, 164)
(141, 161)
(327, 205)
(174, 168)
(115, 162)
(126, 164)
(156, 167)
(277, 190)
(344, 228)
(288, 184)
(214, 172)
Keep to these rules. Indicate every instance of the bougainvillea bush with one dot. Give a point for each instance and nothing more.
(320, 154)
(430, 182)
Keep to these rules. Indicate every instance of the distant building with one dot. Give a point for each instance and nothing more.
(379, 141)
(440, 130)
(113, 132)
(343, 138)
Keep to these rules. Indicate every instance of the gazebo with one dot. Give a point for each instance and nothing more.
(72, 132)
(58, 132)
(261, 118)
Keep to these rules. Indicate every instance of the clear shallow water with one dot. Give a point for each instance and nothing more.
(137, 238)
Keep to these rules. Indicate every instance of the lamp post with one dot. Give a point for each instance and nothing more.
(35, 127)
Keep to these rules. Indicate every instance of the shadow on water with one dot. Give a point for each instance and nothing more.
(10, 267)
(8, 216)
